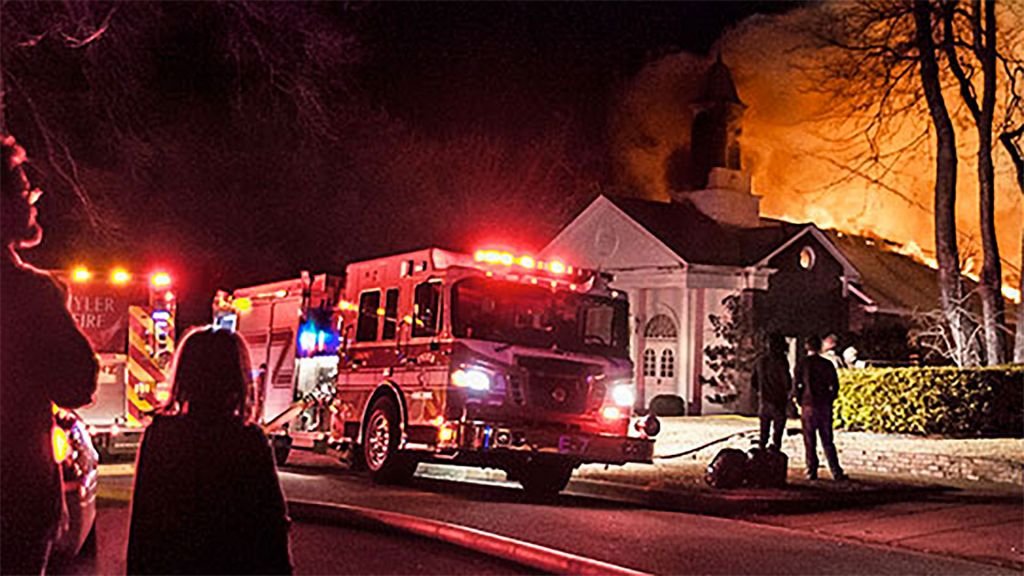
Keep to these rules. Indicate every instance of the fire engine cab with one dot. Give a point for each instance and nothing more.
(490, 359)
(129, 320)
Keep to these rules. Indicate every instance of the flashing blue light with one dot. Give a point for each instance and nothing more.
(307, 340)
(161, 315)
(314, 341)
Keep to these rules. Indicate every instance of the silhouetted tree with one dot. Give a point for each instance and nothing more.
(1012, 138)
(969, 42)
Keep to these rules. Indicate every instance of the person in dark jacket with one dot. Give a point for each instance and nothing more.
(45, 360)
(207, 498)
(816, 386)
(771, 379)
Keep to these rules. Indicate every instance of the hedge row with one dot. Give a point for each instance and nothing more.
(929, 400)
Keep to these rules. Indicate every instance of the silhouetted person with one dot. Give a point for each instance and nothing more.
(816, 386)
(44, 359)
(771, 379)
(207, 498)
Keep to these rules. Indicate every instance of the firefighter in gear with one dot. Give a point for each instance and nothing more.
(46, 359)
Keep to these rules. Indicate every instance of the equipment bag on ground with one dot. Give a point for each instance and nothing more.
(767, 468)
(728, 469)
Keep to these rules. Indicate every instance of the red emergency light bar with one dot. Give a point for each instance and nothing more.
(555, 267)
(120, 276)
(532, 270)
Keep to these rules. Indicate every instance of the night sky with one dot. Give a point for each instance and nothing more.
(518, 67)
(235, 143)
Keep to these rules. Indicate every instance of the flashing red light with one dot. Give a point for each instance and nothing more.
(81, 274)
(527, 262)
(120, 276)
(160, 279)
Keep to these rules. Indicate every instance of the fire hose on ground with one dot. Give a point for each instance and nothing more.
(740, 434)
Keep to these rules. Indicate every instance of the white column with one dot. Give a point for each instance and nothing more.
(640, 316)
(684, 364)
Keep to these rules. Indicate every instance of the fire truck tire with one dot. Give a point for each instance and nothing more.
(545, 477)
(381, 437)
(355, 460)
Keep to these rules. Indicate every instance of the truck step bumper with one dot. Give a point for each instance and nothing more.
(586, 448)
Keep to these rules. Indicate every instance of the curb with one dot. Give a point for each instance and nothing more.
(743, 501)
(795, 498)
(525, 553)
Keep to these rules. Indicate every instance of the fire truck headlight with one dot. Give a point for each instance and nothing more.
(623, 395)
(611, 413)
(472, 379)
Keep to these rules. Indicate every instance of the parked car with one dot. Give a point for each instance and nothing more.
(79, 463)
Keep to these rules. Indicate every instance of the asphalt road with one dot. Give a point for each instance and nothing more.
(649, 540)
(316, 549)
(661, 542)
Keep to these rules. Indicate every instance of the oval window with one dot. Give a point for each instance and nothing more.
(807, 258)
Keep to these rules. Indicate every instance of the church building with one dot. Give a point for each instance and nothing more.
(705, 273)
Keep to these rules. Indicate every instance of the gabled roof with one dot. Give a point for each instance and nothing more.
(699, 239)
(878, 275)
(849, 270)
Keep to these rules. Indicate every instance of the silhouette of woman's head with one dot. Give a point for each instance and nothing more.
(211, 374)
(19, 227)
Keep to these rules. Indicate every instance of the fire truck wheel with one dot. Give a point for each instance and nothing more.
(545, 477)
(380, 445)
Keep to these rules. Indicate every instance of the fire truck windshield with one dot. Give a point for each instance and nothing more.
(531, 315)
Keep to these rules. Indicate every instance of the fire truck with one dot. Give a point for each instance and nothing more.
(129, 320)
(489, 359)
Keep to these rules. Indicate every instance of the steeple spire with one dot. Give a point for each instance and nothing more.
(714, 180)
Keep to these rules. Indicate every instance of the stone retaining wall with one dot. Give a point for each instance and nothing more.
(856, 457)
(967, 460)
(939, 466)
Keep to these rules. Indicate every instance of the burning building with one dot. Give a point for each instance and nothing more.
(706, 272)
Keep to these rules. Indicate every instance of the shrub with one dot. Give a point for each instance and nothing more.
(668, 405)
(929, 400)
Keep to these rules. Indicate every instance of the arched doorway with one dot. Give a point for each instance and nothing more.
(659, 358)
